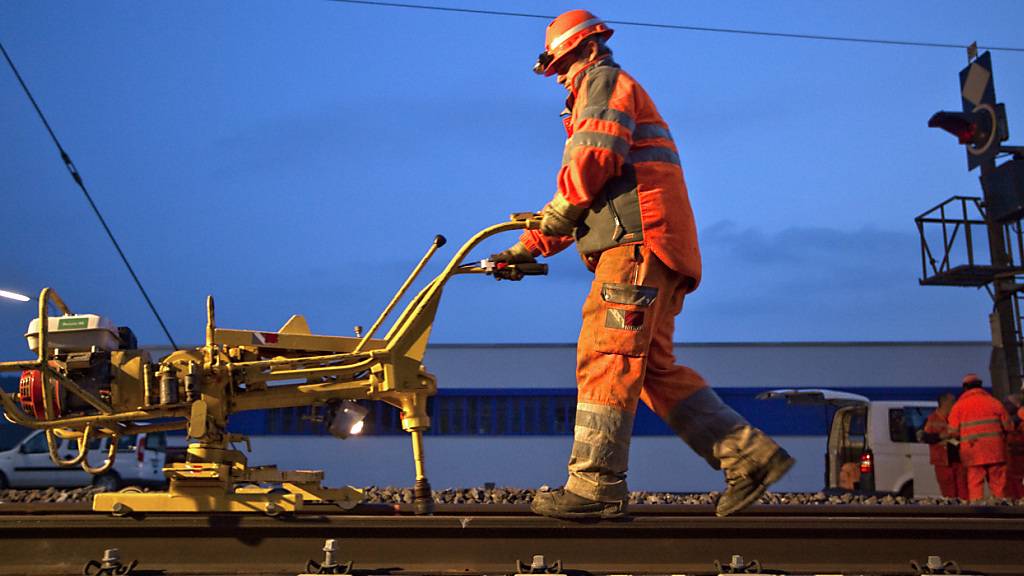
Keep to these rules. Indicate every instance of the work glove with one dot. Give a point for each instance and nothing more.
(559, 217)
(517, 254)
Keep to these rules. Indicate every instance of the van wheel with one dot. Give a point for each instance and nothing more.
(907, 491)
(3, 482)
(109, 482)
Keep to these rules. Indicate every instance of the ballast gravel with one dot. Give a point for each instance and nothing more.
(501, 495)
(497, 495)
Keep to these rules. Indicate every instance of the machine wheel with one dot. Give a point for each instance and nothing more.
(907, 491)
(109, 482)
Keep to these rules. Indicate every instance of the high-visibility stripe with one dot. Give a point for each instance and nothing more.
(600, 452)
(601, 113)
(654, 154)
(599, 140)
(603, 422)
(970, 437)
(568, 33)
(973, 423)
(651, 131)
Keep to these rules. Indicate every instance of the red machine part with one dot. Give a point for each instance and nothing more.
(30, 393)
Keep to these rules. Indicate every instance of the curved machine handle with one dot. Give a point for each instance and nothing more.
(83, 448)
(51, 444)
(83, 451)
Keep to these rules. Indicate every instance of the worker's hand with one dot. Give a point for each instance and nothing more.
(517, 254)
(553, 223)
(559, 217)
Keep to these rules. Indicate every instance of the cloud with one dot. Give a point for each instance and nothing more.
(817, 283)
(796, 284)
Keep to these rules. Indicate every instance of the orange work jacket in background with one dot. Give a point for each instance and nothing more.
(982, 424)
(939, 451)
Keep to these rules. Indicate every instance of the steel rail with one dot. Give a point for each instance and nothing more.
(656, 540)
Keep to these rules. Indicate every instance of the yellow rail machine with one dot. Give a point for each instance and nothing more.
(89, 380)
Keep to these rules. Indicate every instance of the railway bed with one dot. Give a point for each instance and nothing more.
(381, 539)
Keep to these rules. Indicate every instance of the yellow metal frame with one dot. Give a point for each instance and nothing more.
(233, 372)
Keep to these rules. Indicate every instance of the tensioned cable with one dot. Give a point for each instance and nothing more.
(78, 180)
(689, 28)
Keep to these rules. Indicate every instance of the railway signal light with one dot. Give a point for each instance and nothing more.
(975, 129)
(982, 124)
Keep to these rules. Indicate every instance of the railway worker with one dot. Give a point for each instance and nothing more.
(1015, 448)
(981, 424)
(622, 198)
(943, 452)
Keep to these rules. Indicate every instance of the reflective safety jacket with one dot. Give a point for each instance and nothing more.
(1015, 448)
(1015, 453)
(621, 164)
(939, 452)
(981, 422)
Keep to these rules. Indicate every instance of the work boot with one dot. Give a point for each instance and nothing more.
(743, 489)
(564, 504)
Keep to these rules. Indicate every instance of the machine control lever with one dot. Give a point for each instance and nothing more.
(507, 271)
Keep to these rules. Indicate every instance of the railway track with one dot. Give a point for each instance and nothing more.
(490, 539)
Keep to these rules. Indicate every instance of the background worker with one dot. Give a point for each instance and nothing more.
(1015, 447)
(981, 424)
(621, 197)
(943, 451)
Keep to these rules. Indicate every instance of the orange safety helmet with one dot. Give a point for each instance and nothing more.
(566, 33)
(971, 378)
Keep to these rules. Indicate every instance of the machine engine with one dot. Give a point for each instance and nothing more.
(89, 351)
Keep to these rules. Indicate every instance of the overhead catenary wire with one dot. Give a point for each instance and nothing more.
(789, 35)
(66, 158)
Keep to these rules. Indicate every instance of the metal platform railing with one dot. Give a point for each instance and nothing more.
(955, 246)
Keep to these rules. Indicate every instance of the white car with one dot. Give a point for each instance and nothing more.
(140, 461)
(873, 446)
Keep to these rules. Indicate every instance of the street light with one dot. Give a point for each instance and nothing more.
(14, 296)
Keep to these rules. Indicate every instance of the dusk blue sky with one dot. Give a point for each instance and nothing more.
(299, 156)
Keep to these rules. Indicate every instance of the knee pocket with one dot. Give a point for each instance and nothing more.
(622, 320)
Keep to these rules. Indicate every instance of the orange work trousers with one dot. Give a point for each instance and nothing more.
(952, 480)
(1014, 486)
(976, 476)
(625, 352)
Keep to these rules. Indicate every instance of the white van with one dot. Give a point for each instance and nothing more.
(140, 461)
(873, 446)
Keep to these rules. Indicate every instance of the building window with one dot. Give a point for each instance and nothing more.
(451, 415)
